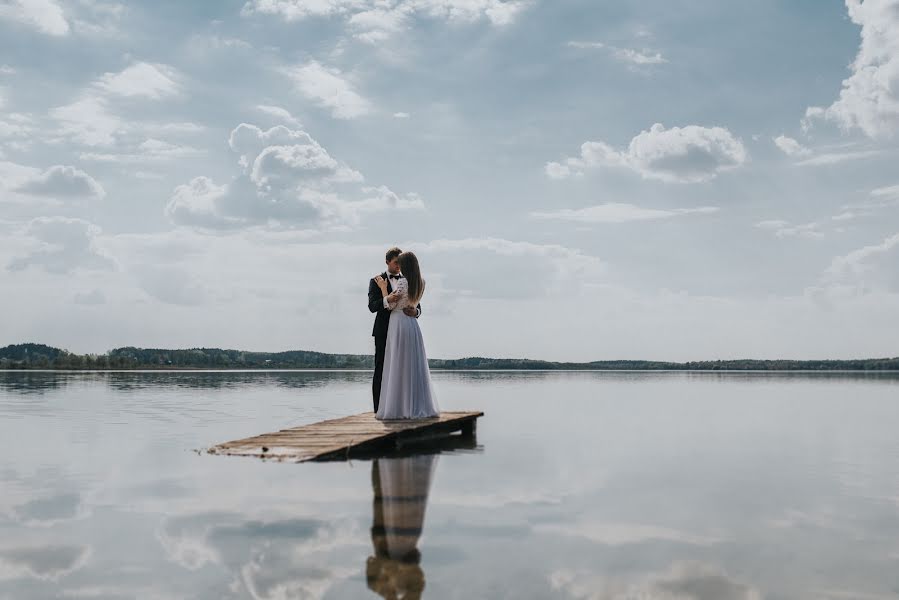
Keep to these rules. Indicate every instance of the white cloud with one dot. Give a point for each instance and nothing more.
(501, 268)
(62, 180)
(614, 212)
(620, 534)
(142, 79)
(92, 298)
(890, 192)
(154, 148)
(7, 70)
(289, 180)
(293, 10)
(379, 24)
(329, 89)
(279, 113)
(401, 115)
(375, 21)
(183, 127)
(870, 266)
(47, 563)
(89, 121)
(197, 203)
(869, 99)
(683, 155)
(783, 229)
(63, 245)
(285, 166)
(790, 146)
(832, 158)
(247, 139)
(44, 15)
(626, 55)
(148, 150)
(683, 581)
(17, 125)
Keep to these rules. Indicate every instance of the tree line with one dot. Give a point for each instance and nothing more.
(40, 356)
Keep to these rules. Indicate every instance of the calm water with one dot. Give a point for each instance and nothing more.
(581, 485)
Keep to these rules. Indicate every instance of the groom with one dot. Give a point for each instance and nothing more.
(378, 304)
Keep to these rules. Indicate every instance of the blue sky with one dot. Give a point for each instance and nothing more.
(581, 180)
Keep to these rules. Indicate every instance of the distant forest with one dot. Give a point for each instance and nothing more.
(40, 356)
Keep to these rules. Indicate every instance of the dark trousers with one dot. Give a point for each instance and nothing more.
(380, 347)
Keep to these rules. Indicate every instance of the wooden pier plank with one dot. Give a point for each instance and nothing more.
(346, 436)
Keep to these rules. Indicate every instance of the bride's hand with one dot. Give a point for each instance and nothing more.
(382, 283)
(394, 297)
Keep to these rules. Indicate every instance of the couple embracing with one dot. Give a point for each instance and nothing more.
(401, 388)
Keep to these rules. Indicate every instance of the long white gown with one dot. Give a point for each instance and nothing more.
(406, 391)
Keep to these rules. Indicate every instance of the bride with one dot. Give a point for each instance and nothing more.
(406, 385)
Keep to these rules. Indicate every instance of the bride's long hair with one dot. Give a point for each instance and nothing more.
(409, 268)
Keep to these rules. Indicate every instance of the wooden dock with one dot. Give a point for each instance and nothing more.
(349, 437)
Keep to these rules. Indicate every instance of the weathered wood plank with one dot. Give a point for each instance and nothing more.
(343, 438)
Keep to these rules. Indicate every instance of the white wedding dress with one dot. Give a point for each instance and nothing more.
(406, 391)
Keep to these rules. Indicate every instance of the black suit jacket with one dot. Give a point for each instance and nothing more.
(376, 305)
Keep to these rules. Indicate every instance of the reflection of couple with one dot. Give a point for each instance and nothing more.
(401, 388)
(401, 488)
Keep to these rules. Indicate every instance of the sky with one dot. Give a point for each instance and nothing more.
(580, 179)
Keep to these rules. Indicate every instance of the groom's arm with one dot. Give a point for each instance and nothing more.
(413, 312)
(375, 298)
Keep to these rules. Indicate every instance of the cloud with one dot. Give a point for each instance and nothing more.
(614, 212)
(153, 148)
(16, 125)
(626, 55)
(171, 285)
(832, 158)
(783, 229)
(379, 24)
(401, 115)
(791, 147)
(197, 203)
(64, 245)
(50, 510)
(329, 89)
(91, 298)
(687, 580)
(284, 166)
(7, 70)
(294, 10)
(889, 192)
(869, 99)
(44, 15)
(374, 21)
(249, 140)
(279, 113)
(874, 266)
(288, 180)
(89, 121)
(62, 181)
(621, 534)
(500, 268)
(690, 154)
(146, 80)
(48, 563)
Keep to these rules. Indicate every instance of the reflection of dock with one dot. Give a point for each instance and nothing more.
(349, 437)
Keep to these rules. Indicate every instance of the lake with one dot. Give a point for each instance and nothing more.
(609, 485)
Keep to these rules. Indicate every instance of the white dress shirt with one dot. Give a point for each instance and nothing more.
(390, 280)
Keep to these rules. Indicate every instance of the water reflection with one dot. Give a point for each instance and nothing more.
(400, 487)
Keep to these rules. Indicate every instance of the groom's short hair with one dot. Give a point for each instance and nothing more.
(393, 253)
